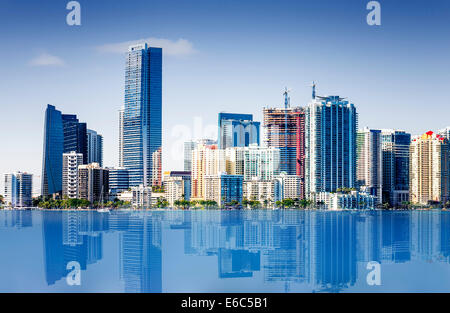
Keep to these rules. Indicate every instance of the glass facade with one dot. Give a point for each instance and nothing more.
(237, 130)
(331, 125)
(53, 151)
(395, 149)
(75, 136)
(142, 117)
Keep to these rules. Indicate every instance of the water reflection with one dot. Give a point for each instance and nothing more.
(317, 249)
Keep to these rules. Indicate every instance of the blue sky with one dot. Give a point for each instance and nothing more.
(234, 56)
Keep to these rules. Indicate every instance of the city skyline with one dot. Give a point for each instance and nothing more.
(200, 52)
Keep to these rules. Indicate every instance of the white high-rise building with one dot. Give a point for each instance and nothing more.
(259, 190)
(330, 145)
(287, 187)
(253, 161)
(71, 161)
(206, 160)
(177, 186)
(429, 172)
(369, 158)
(189, 146)
(18, 189)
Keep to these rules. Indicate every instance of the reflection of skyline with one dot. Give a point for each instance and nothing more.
(320, 249)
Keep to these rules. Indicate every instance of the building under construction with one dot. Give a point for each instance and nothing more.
(285, 129)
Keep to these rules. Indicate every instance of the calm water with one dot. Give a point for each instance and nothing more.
(224, 251)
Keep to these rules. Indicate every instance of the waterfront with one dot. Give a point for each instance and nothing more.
(225, 251)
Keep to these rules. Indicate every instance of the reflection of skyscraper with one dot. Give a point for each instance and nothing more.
(333, 241)
(64, 242)
(141, 254)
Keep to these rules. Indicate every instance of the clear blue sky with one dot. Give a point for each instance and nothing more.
(234, 56)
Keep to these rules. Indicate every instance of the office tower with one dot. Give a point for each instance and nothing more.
(206, 160)
(330, 140)
(253, 161)
(189, 146)
(369, 169)
(121, 111)
(223, 188)
(18, 189)
(284, 129)
(71, 161)
(94, 147)
(395, 146)
(75, 135)
(118, 181)
(237, 130)
(287, 187)
(63, 133)
(93, 183)
(177, 186)
(53, 151)
(429, 173)
(157, 168)
(142, 116)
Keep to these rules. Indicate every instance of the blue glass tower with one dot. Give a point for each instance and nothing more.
(63, 133)
(53, 151)
(237, 130)
(75, 135)
(330, 145)
(142, 119)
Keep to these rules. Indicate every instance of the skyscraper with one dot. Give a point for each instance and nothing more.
(206, 160)
(395, 147)
(63, 133)
(237, 130)
(330, 144)
(75, 135)
(369, 173)
(189, 146)
(142, 116)
(71, 161)
(429, 173)
(53, 150)
(284, 129)
(94, 147)
(121, 111)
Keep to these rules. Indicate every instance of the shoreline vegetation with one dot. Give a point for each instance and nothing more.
(301, 204)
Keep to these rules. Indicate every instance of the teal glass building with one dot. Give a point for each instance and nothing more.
(142, 118)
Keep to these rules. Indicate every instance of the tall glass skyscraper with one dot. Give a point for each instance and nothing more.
(330, 145)
(142, 117)
(53, 151)
(63, 133)
(395, 147)
(75, 136)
